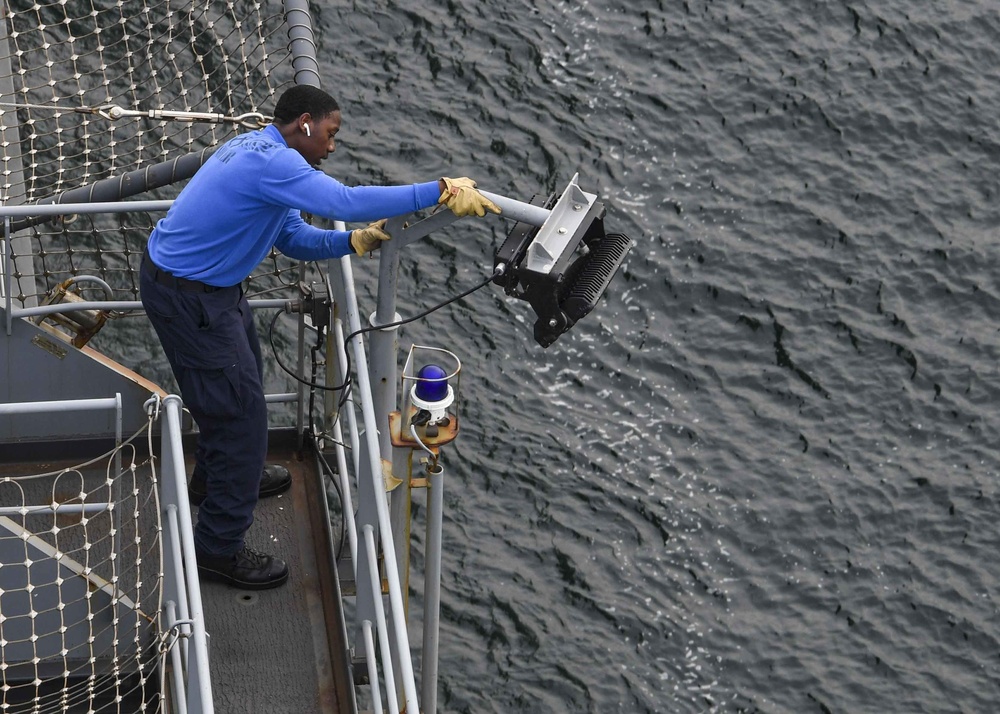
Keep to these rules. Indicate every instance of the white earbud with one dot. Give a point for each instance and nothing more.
(308, 132)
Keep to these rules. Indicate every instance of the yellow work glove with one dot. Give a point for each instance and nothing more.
(364, 240)
(461, 196)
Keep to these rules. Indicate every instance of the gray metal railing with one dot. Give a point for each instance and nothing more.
(182, 634)
(64, 209)
(185, 615)
(373, 526)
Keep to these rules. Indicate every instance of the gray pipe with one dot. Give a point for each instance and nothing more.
(301, 43)
(128, 184)
(518, 210)
(432, 587)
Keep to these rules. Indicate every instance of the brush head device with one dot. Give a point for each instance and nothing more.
(564, 266)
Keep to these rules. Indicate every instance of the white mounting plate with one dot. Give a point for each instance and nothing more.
(562, 223)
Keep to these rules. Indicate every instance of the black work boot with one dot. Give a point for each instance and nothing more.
(248, 569)
(273, 481)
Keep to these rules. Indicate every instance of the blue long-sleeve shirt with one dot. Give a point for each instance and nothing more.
(247, 197)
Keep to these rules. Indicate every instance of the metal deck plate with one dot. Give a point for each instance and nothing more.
(270, 650)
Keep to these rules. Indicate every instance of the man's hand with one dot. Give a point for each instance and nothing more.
(461, 196)
(364, 240)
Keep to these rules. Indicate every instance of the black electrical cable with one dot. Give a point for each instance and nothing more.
(312, 376)
(347, 370)
(406, 321)
(332, 473)
(274, 350)
(343, 388)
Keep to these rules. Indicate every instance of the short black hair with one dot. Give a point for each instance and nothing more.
(303, 99)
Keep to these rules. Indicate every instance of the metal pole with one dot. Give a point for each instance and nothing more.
(300, 412)
(60, 509)
(336, 376)
(72, 208)
(7, 288)
(60, 307)
(116, 509)
(301, 42)
(199, 676)
(352, 417)
(343, 265)
(123, 305)
(14, 180)
(512, 210)
(175, 661)
(432, 586)
(381, 627)
(177, 571)
(280, 397)
(366, 482)
(384, 348)
(116, 188)
(400, 509)
(173, 569)
(118, 451)
(363, 390)
(366, 635)
(385, 343)
(519, 210)
(67, 405)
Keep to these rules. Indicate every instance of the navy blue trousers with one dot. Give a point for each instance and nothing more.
(211, 343)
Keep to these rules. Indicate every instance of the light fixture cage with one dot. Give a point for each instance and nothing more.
(418, 357)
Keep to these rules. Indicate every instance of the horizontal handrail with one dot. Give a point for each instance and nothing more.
(59, 405)
(62, 209)
(61, 509)
(124, 305)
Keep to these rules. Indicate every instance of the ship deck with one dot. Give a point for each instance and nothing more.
(280, 650)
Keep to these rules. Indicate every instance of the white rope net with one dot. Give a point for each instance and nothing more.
(65, 55)
(81, 575)
(69, 67)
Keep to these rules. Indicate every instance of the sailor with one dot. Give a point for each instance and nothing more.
(243, 201)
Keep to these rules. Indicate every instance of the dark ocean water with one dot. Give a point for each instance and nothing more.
(761, 476)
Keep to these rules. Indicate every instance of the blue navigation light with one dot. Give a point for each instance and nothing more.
(432, 385)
